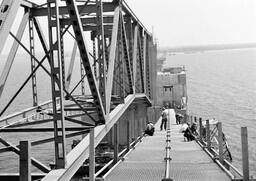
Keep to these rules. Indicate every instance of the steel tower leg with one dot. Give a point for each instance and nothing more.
(82, 77)
(57, 90)
(101, 53)
(32, 51)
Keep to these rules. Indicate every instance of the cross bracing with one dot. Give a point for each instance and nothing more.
(117, 67)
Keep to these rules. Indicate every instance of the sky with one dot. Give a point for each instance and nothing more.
(198, 22)
(178, 23)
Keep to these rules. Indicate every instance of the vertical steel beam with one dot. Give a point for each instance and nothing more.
(220, 140)
(128, 134)
(245, 153)
(208, 134)
(121, 64)
(116, 142)
(112, 57)
(57, 90)
(126, 54)
(62, 57)
(140, 64)
(92, 156)
(77, 27)
(94, 54)
(13, 51)
(82, 71)
(32, 60)
(25, 161)
(101, 53)
(144, 62)
(200, 129)
(134, 57)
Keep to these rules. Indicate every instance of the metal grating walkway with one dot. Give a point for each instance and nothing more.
(146, 162)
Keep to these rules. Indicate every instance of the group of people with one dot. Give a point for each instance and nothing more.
(189, 132)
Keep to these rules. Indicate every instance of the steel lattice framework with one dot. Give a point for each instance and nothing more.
(117, 76)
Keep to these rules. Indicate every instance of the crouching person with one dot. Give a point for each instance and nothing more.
(150, 129)
(190, 133)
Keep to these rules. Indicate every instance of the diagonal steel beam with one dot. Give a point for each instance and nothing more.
(9, 10)
(141, 64)
(71, 65)
(77, 27)
(112, 57)
(12, 53)
(76, 157)
(134, 57)
(127, 55)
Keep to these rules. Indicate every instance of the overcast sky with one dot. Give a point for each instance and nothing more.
(192, 22)
(198, 22)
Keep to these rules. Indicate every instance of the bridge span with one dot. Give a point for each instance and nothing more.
(103, 92)
(115, 58)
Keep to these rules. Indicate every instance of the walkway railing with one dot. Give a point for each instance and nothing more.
(168, 159)
(212, 139)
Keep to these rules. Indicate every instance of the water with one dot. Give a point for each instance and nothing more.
(222, 85)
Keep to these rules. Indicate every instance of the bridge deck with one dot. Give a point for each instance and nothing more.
(146, 162)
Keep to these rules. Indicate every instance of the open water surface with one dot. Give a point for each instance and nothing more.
(222, 85)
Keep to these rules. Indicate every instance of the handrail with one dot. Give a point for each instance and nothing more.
(221, 161)
(23, 112)
(168, 149)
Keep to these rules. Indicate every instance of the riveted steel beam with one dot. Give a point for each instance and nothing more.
(77, 27)
(88, 9)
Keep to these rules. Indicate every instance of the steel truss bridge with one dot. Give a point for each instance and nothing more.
(118, 70)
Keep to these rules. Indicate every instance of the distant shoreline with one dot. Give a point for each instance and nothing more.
(202, 48)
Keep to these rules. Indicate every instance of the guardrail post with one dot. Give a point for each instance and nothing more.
(208, 134)
(220, 140)
(128, 135)
(25, 161)
(200, 129)
(116, 143)
(245, 157)
(92, 156)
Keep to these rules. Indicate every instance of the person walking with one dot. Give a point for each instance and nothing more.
(164, 119)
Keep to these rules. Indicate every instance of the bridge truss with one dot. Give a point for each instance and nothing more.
(117, 58)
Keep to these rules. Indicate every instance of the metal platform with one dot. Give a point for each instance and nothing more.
(190, 162)
(146, 162)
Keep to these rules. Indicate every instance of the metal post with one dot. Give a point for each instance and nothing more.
(245, 156)
(200, 129)
(25, 161)
(56, 64)
(32, 51)
(220, 140)
(208, 134)
(92, 156)
(128, 135)
(116, 143)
